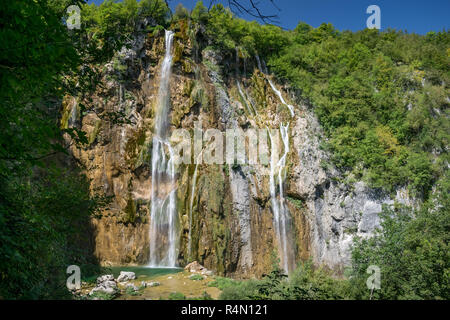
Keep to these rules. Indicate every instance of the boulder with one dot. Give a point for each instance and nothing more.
(132, 286)
(153, 284)
(194, 267)
(107, 286)
(107, 277)
(126, 276)
(208, 273)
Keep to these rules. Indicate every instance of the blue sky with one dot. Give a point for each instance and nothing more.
(416, 16)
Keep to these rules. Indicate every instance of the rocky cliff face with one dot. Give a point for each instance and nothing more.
(225, 215)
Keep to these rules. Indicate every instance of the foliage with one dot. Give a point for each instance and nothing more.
(306, 283)
(196, 277)
(44, 228)
(99, 295)
(222, 283)
(180, 13)
(130, 291)
(176, 296)
(382, 123)
(412, 251)
(45, 205)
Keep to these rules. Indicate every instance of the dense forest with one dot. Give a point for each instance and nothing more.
(382, 99)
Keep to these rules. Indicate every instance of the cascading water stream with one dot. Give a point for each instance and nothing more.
(251, 110)
(281, 215)
(258, 61)
(163, 242)
(280, 96)
(191, 204)
(73, 116)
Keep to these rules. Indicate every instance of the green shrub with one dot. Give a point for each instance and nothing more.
(196, 277)
(101, 296)
(222, 283)
(177, 296)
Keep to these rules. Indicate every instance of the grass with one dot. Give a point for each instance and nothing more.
(222, 283)
(130, 291)
(102, 296)
(196, 277)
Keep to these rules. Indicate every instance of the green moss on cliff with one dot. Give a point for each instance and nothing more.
(134, 148)
(130, 211)
(259, 90)
(93, 135)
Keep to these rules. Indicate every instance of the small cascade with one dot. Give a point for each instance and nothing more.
(73, 116)
(163, 219)
(258, 61)
(278, 93)
(251, 110)
(280, 213)
(122, 140)
(264, 70)
(191, 204)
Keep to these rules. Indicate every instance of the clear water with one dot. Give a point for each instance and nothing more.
(145, 271)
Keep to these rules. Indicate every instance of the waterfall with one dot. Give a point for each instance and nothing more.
(241, 93)
(191, 204)
(281, 215)
(237, 63)
(73, 116)
(265, 71)
(243, 96)
(278, 93)
(258, 61)
(163, 217)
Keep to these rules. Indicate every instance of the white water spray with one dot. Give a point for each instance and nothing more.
(163, 242)
(281, 215)
(280, 96)
(191, 205)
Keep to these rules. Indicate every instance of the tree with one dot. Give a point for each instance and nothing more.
(180, 13)
(412, 251)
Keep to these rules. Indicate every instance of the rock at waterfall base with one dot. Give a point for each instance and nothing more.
(126, 276)
(196, 267)
(105, 285)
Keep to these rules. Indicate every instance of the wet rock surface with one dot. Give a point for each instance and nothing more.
(232, 228)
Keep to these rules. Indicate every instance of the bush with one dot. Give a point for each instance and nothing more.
(196, 277)
(306, 283)
(412, 252)
(176, 296)
(101, 296)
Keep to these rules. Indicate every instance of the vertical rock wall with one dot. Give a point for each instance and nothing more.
(232, 220)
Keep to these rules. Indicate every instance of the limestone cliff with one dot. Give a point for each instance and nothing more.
(225, 214)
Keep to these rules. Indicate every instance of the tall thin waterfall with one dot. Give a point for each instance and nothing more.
(278, 93)
(258, 61)
(73, 116)
(191, 204)
(241, 93)
(163, 219)
(281, 215)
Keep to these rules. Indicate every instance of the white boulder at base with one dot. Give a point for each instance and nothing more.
(195, 267)
(126, 276)
(105, 284)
